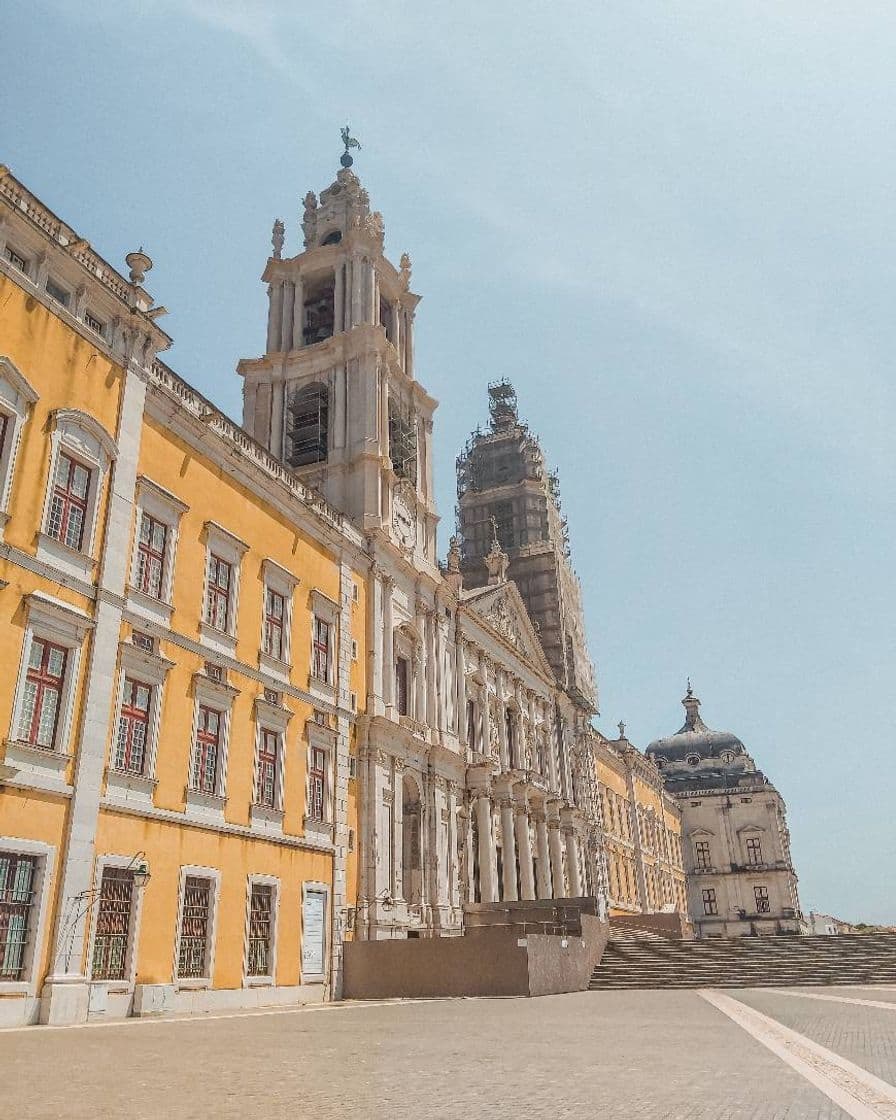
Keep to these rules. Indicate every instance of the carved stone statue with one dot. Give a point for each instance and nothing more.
(277, 237)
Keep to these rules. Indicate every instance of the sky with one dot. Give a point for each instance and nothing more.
(669, 224)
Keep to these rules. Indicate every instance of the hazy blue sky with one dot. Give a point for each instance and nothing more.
(670, 224)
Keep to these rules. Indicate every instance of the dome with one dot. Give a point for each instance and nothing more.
(695, 741)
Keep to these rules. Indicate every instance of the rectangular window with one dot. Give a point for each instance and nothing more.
(57, 292)
(268, 753)
(274, 618)
(151, 556)
(471, 725)
(510, 731)
(133, 728)
(195, 927)
(68, 508)
(317, 784)
(94, 323)
(17, 873)
(754, 849)
(217, 602)
(42, 698)
(401, 685)
(702, 853)
(260, 930)
(207, 750)
(16, 259)
(763, 906)
(113, 924)
(710, 905)
(320, 665)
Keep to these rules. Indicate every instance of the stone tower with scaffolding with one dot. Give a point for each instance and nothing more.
(504, 488)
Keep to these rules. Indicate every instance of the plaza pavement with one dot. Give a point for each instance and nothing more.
(634, 1055)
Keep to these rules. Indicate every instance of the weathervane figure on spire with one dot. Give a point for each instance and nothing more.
(350, 142)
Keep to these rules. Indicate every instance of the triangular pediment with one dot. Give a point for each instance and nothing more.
(502, 609)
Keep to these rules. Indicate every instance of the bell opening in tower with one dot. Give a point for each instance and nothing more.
(308, 430)
(403, 442)
(319, 309)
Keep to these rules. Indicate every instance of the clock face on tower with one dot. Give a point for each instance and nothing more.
(404, 518)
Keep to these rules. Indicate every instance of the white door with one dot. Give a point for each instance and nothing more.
(314, 934)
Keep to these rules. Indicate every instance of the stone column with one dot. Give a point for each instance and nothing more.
(544, 857)
(420, 669)
(461, 689)
(501, 715)
(286, 316)
(483, 810)
(273, 318)
(558, 886)
(572, 863)
(429, 623)
(508, 850)
(356, 315)
(453, 876)
(524, 852)
(298, 314)
(338, 304)
(485, 746)
(397, 884)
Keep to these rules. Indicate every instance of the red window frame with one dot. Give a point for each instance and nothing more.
(317, 783)
(320, 666)
(268, 765)
(132, 742)
(207, 750)
(151, 556)
(217, 598)
(274, 621)
(43, 681)
(68, 507)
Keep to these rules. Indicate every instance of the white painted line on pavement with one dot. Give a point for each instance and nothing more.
(891, 1006)
(859, 1093)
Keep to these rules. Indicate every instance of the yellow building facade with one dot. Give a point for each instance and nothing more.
(641, 827)
(182, 626)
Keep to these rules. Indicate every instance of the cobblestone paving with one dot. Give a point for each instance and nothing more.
(592, 1055)
(865, 1035)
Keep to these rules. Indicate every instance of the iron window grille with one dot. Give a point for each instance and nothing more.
(42, 699)
(208, 743)
(133, 728)
(274, 617)
(17, 874)
(192, 956)
(68, 508)
(317, 784)
(320, 665)
(217, 600)
(113, 924)
(151, 556)
(763, 905)
(268, 754)
(260, 930)
(710, 904)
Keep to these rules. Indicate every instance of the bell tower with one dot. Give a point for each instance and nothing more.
(334, 396)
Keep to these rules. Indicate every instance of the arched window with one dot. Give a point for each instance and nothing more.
(309, 423)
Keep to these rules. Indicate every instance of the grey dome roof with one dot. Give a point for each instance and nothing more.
(695, 738)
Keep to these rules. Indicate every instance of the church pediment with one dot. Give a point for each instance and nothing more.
(502, 609)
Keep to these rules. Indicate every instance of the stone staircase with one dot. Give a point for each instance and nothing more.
(746, 962)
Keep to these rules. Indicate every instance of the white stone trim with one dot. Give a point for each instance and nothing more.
(325, 739)
(325, 609)
(82, 437)
(152, 670)
(315, 887)
(193, 982)
(269, 717)
(161, 504)
(54, 621)
(269, 979)
(127, 984)
(283, 582)
(45, 861)
(16, 400)
(226, 546)
(220, 697)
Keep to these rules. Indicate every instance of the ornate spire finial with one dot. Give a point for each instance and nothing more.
(350, 142)
(621, 726)
(496, 559)
(690, 690)
(277, 238)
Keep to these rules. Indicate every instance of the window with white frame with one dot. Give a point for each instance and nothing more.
(152, 568)
(272, 719)
(205, 793)
(267, 769)
(196, 930)
(321, 650)
(48, 672)
(16, 259)
(114, 915)
(261, 929)
(81, 452)
(207, 749)
(132, 738)
(16, 400)
(132, 758)
(25, 870)
(324, 621)
(222, 584)
(276, 627)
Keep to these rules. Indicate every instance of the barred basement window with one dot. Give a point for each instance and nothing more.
(192, 958)
(17, 874)
(308, 432)
(403, 441)
(113, 924)
(260, 930)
